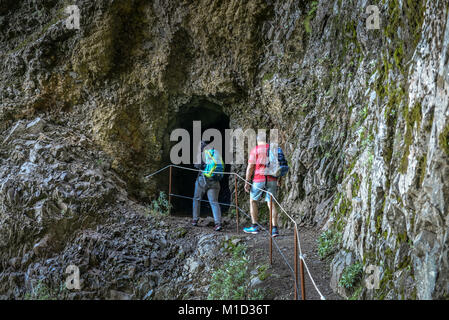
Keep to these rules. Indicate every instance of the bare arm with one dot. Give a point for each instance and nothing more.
(250, 171)
(249, 175)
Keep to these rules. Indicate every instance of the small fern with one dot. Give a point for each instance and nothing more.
(160, 206)
(351, 276)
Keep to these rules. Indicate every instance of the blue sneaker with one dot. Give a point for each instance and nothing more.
(254, 229)
(274, 232)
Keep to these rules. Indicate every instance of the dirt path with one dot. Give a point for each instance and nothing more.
(280, 282)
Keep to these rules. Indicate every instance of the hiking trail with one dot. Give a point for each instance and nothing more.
(280, 282)
(282, 247)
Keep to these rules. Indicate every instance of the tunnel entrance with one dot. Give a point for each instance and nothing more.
(183, 181)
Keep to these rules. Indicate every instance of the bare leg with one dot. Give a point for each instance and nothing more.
(254, 210)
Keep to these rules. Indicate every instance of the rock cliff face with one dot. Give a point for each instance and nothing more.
(363, 116)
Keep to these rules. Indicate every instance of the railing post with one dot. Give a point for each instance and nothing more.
(236, 204)
(169, 191)
(296, 262)
(301, 272)
(271, 229)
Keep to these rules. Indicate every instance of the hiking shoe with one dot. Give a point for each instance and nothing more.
(254, 229)
(195, 222)
(274, 232)
(218, 227)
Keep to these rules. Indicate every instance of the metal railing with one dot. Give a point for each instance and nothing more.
(298, 275)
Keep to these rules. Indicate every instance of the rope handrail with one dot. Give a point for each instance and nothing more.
(301, 257)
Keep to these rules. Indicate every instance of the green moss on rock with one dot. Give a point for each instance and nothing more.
(412, 117)
(444, 140)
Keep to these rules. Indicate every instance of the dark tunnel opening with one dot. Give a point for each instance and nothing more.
(183, 181)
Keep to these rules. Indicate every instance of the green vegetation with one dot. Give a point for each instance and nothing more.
(370, 160)
(384, 284)
(159, 206)
(415, 17)
(444, 140)
(268, 76)
(327, 243)
(411, 117)
(395, 54)
(42, 292)
(339, 214)
(232, 213)
(262, 272)
(350, 41)
(355, 185)
(310, 15)
(351, 276)
(232, 280)
(357, 293)
(180, 232)
(379, 218)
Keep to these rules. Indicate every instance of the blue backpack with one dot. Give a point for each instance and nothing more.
(214, 165)
(277, 165)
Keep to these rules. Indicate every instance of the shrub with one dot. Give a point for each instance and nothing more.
(351, 276)
(232, 280)
(327, 243)
(160, 206)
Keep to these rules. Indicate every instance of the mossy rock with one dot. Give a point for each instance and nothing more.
(444, 140)
(412, 117)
